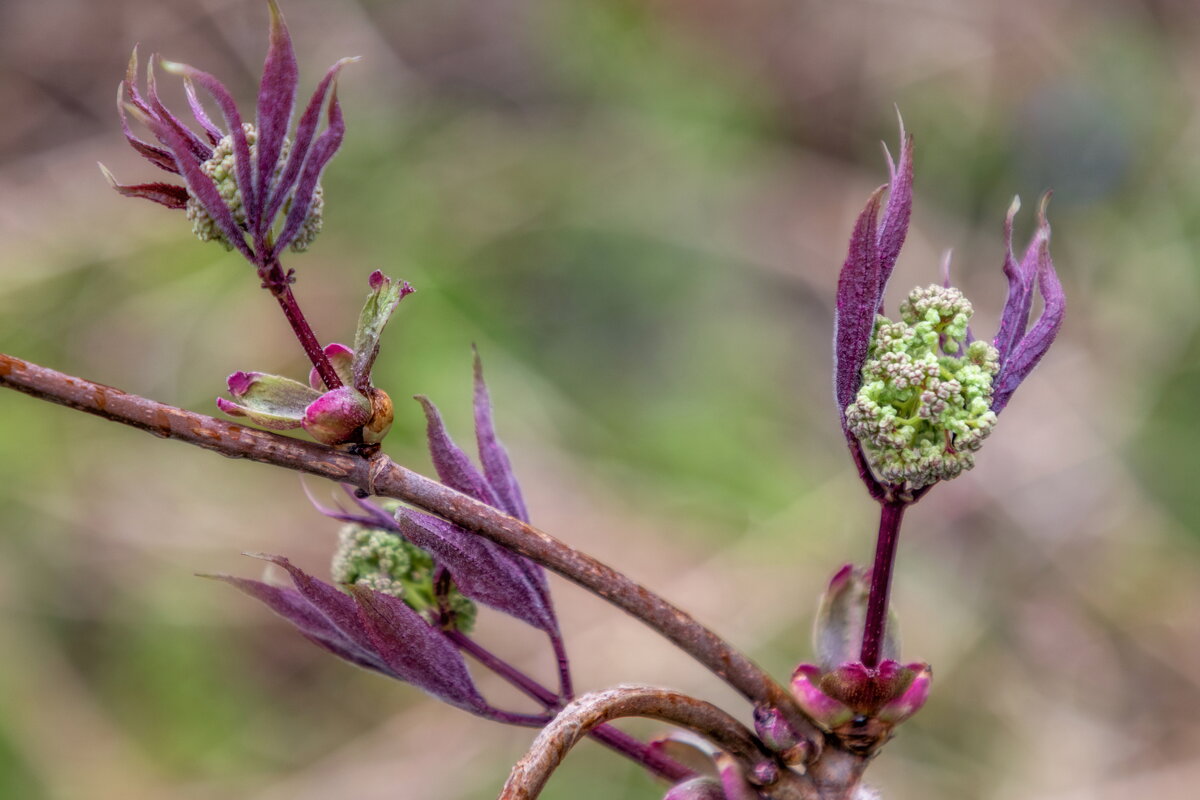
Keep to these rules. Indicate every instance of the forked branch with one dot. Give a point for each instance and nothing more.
(383, 477)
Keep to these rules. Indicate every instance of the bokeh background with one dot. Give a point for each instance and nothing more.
(637, 210)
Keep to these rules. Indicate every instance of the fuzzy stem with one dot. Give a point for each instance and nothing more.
(513, 718)
(564, 667)
(890, 516)
(381, 476)
(613, 738)
(505, 670)
(635, 749)
(279, 283)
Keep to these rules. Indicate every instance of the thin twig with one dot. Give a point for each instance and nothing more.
(508, 672)
(279, 284)
(615, 739)
(530, 774)
(565, 688)
(388, 479)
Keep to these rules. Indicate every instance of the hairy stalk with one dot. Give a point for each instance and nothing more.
(279, 283)
(383, 477)
(505, 670)
(564, 667)
(530, 774)
(513, 718)
(613, 738)
(890, 516)
(636, 750)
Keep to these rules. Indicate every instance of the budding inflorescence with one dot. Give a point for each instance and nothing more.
(221, 168)
(924, 406)
(249, 185)
(383, 561)
(917, 397)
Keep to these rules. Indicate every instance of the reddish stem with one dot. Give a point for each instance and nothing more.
(613, 738)
(564, 667)
(505, 670)
(890, 516)
(279, 284)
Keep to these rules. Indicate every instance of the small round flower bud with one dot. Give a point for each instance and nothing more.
(383, 561)
(925, 402)
(335, 416)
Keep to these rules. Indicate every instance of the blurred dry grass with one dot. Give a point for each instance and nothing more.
(637, 209)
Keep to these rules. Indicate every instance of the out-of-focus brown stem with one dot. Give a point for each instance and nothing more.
(381, 476)
(574, 722)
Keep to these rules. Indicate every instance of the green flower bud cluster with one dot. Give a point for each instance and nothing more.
(383, 561)
(221, 167)
(923, 409)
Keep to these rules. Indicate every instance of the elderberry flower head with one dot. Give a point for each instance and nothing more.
(249, 186)
(922, 411)
(917, 397)
(382, 561)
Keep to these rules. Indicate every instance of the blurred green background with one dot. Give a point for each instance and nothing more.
(637, 210)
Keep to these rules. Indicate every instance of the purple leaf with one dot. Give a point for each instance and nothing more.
(415, 651)
(292, 606)
(453, 467)
(859, 289)
(335, 606)
(1020, 287)
(372, 517)
(130, 83)
(198, 149)
(456, 471)
(200, 186)
(210, 129)
(1030, 348)
(155, 155)
(377, 517)
(893, 228)
(304, 134)
(276, 98)
(482, 570)
(322, 150)
(874, 248)
(1029, 269)
(492, 454)
(167, 194)
(233, 121)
